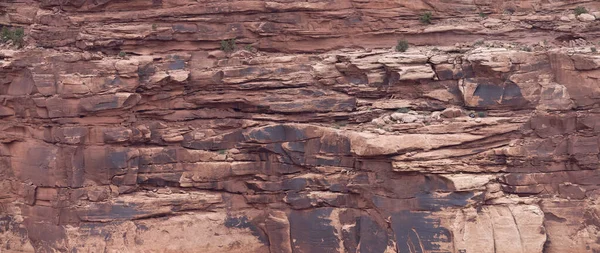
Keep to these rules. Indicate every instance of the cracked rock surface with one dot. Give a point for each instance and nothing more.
(125, 128)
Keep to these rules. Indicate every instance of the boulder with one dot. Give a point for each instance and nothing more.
(407, 118)
(451, 112)
(585, 17)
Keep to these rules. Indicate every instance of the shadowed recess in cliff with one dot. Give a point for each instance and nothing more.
(492, 93)
(435, 202)
(116, 211)
(312, 231)
(372, 237)
(242, 222)
(417, 232)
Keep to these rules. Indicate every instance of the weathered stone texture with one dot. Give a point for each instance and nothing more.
(125, 128)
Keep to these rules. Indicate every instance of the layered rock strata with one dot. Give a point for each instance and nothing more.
(125, 128)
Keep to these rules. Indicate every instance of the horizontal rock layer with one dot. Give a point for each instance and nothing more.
(126, 129)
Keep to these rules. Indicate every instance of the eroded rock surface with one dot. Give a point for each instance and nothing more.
(125, 128)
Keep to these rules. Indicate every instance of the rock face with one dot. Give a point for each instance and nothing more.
(126, 128)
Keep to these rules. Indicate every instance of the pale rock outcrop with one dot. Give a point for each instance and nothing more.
(585, 17)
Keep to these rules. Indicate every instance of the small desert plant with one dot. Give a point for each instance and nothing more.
(481, 114)
(222, 151)
(482, 15)
(580, 10)
(122, 54)
(402, 46)
(249, 48)
(509, 10)
(15, 35)
(154, 26)
(594, 50)
(232, 44)
(18, 35)
(6, 34)
(526, 49)
(425, 18)
(228, 45)
(224, 45)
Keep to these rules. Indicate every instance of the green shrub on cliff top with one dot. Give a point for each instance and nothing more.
(228, 45)
(402, 46)
(426, 18)
(580, 10)
(15, 35)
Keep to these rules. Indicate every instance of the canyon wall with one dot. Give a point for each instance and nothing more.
(126, 128)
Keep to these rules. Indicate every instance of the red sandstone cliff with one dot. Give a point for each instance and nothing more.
(125, 128)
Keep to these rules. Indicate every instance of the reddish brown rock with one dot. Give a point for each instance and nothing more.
(281, 126)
